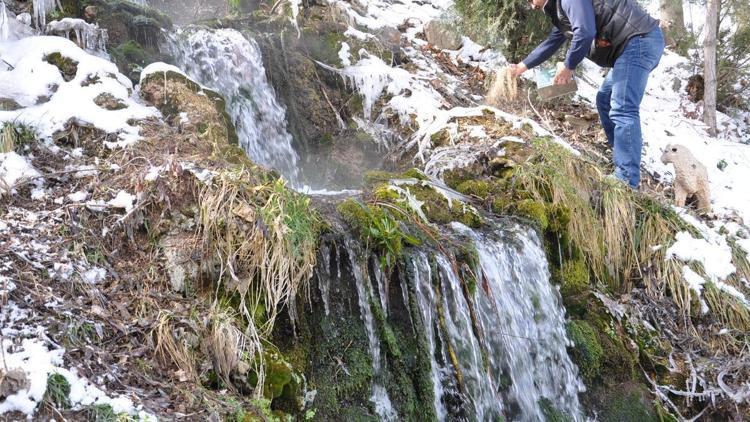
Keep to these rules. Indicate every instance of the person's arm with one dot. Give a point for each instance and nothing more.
(545, 50)
(581, 16)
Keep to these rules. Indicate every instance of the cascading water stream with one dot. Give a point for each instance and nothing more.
(224, 60)
(516, 358)
(379, 397)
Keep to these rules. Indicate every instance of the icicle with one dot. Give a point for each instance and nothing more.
(88, 36)
(4, 23)
(41, 9)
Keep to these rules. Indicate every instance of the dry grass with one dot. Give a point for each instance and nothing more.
(7, 138)
(169, 350)
(265, 237)
(503, 87)
(228, 345)
(622, 235)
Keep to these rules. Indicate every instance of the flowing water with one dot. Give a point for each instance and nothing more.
(511, 347)
(379, 397)
(226, 61)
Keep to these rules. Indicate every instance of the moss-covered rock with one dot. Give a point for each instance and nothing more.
(551, 413)
(205, 109)
(629, 403)
(534, 211)
(587, 353)
(68, 67)
(108, 101)
(573, 277)
(479, 188)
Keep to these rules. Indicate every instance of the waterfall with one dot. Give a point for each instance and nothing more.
(511, 349)
(379, 397)
(226, 61)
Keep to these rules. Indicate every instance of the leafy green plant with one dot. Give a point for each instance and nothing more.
(378, 229)
(58, 391)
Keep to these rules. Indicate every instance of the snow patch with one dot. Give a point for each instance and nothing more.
(49, 101)
(716, 256)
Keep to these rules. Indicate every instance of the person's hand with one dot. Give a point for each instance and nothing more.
(518, 69)
(563, 76)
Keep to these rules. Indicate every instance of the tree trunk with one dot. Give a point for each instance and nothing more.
(709, 66)
(672, 22)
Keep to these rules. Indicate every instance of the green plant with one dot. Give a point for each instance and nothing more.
(378, 229)
(58, 391)
(16, 137)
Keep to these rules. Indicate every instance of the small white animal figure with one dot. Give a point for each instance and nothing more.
(691, 178)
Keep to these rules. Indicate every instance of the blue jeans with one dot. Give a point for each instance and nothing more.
(619, 102)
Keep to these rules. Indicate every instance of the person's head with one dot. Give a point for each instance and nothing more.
(537, 4)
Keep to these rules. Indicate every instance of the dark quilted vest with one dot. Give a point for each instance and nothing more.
(617, 21)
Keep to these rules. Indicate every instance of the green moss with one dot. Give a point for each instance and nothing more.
(479, 188)
(440, 138)
(573, 277)
(558, 216)
(67, 66)
(436, 208)
(354, 213)
(378, 229)
(533, 210)
(628, 404)
(587, 353)
(500, 205)
(384, 193)
(468, 259)
(386, 332)
(377, 176)
(415, 173)
(131, 52)
(551, 413)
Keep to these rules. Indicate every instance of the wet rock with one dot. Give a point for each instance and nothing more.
(129, 22)
(442, 36)
(188, 11)
(90, 13)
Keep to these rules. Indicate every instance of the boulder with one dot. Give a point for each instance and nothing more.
(441, 35)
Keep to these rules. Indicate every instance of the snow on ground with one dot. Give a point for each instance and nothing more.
(25, 343)
(45, 102)
(49, 102)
